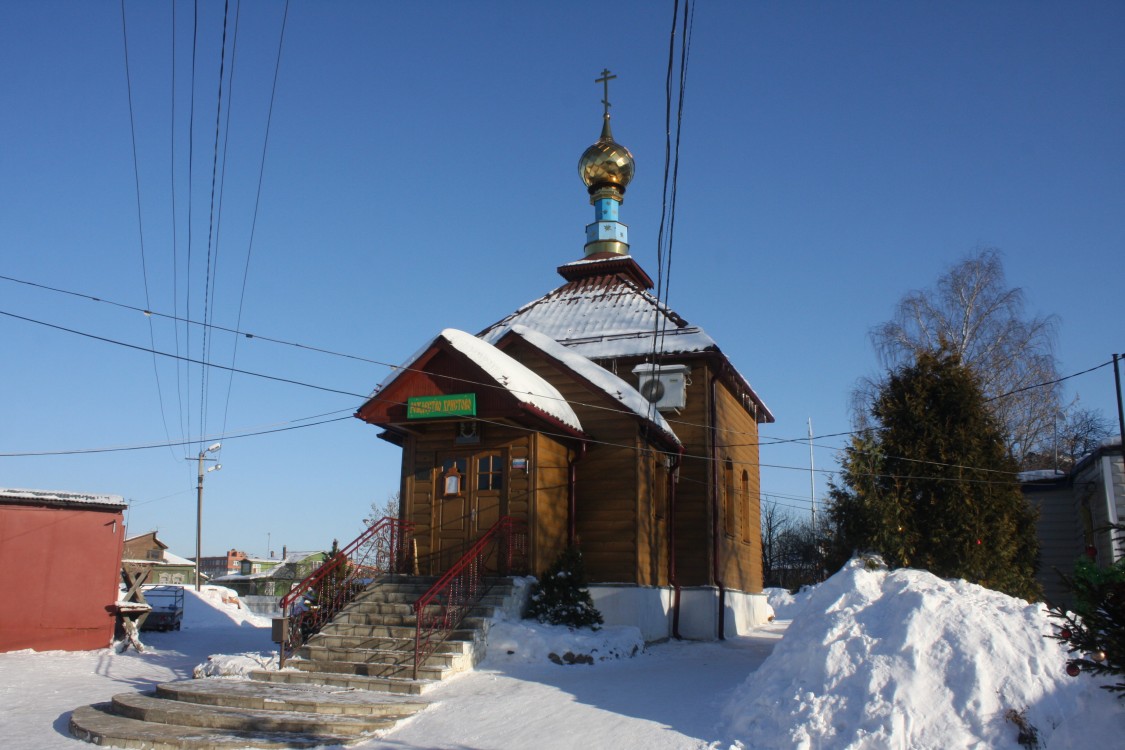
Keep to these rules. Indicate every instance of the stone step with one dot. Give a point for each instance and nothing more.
(399, 685)
(161, 711)
(351, 617)
(97, 725)
(372, 607)
(364, 669)
(362, 630)
(387, 643)
(317, 699)
(318, 653)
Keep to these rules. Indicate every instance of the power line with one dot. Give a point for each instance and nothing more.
(761, 442)
(140, 224)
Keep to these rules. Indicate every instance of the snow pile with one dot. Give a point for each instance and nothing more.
(218, 606)
(235, 665)
(878, 659)
(785, 606)
(529, 642)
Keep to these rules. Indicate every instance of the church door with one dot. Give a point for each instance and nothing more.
(469, 497)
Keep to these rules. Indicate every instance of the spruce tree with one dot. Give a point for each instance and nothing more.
(561, 596)
(1095, 631)
(932, 485)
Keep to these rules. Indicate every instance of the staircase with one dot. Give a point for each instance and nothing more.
(353, 677)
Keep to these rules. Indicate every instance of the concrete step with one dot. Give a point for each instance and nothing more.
(372, 669)
(161, 711)
(398, 685)
(317, 699)
(363, 630)
(373, 608)
(358, 642)
(98, 725)
(317, 653)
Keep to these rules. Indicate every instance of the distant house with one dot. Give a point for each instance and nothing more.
(147, 551)
(61, 555)
(262, 582)
(1075, 512)
(221, 565)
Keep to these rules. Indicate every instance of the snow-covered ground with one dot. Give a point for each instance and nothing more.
(871, 659)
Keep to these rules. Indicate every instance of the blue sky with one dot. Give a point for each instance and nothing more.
(421, 173)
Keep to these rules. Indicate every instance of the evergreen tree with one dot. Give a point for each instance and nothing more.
(561, 596)
(1095, 631)
(932, 485)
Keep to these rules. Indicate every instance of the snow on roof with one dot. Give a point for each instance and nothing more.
(602, 320)
(1039, 475)
(56, 497)
(170, 558)
(603, 317)
(598, 376)
(527, 387)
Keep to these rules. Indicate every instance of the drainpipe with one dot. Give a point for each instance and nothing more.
(716, 539)
(673, 471)
(572, 496)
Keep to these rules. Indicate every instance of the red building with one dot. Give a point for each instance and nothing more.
(61, 553)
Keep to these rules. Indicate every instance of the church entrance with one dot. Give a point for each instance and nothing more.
(470, 495)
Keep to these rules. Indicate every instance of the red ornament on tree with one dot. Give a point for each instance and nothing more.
(1073, 669)
(1065, 634)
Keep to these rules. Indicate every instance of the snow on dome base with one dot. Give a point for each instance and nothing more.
(879, 659)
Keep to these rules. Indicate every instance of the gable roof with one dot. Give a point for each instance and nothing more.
(596, 376)
(528, 389)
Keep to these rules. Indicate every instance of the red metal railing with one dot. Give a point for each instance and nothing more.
(312, 603)
(502, 550)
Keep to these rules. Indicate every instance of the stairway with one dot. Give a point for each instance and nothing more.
(353, 677)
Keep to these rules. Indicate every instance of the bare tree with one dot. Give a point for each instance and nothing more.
(389, 508)
(774, 524)
(1076, 432)
(974, 314)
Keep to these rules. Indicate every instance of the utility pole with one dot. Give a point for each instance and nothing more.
(812, 477)
(1120, 411)
(199, 505)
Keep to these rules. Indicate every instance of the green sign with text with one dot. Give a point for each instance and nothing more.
(452, 405)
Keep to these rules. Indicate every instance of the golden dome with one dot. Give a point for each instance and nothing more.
(606, 163)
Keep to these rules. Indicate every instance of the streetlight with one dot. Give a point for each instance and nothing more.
(199, 503)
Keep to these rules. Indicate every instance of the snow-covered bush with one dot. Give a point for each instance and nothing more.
(561, 596)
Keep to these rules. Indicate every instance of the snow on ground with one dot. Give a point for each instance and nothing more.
(871, 659)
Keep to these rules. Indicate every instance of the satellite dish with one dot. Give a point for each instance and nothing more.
(653, 390)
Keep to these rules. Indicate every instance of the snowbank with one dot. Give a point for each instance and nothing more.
(530, 642)
(878, 659)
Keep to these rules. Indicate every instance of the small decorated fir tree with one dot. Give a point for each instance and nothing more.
(561, 596)
(1095, 632)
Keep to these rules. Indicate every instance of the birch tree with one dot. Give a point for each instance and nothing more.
(973, 314)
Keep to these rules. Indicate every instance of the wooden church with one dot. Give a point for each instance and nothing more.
(604, 420)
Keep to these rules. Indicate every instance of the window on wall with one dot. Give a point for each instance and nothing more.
(453, 476)
(490, 472)
(747, 531)
(729, 519)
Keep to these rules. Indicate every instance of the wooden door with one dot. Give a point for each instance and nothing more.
(470, 496)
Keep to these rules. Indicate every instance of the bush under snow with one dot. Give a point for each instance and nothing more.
(879, 659)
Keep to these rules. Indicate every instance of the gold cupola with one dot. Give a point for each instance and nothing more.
(607, 169)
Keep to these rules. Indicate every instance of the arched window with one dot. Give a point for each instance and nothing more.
(730, 520)
(747, 531)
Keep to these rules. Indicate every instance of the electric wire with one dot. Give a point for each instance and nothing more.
(140, 222)
(761, 442)
(212, 240)
(257, 200)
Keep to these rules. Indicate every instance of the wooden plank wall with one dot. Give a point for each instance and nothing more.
(740, 537)
(693, 503)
